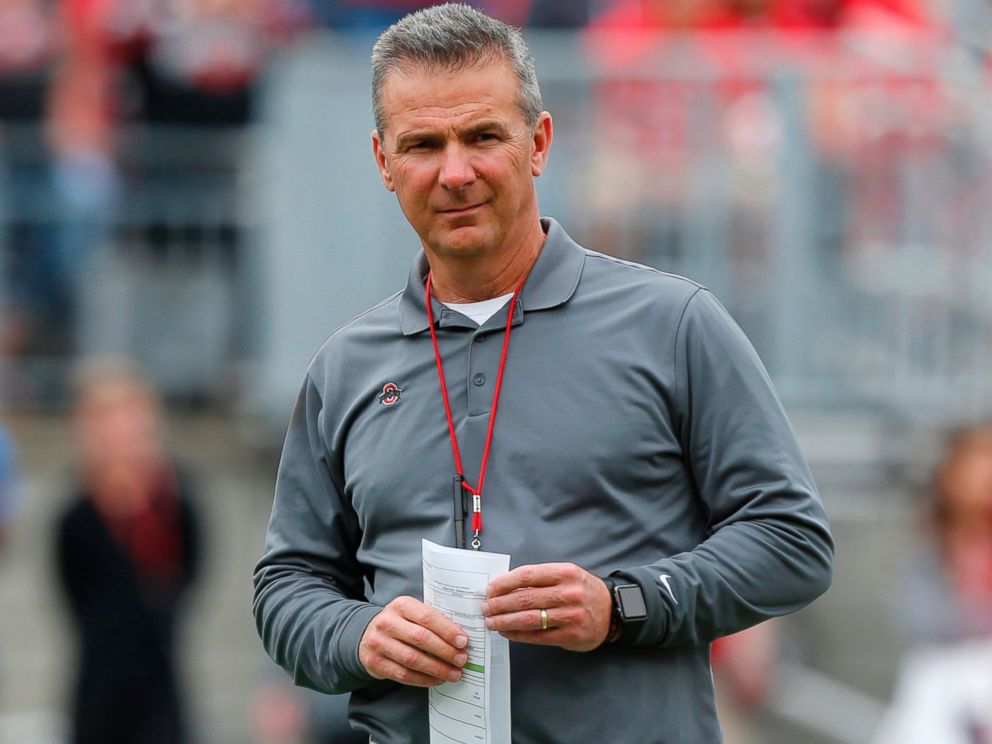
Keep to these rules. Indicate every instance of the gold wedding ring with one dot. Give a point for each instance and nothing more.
(544, 619)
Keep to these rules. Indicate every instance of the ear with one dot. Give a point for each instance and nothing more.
(543, 135)
(380, 160)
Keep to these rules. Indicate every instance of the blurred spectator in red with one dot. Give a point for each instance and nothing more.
(175, 61)
(944, 603)
(865, 70)
(126, 547)
(282, 713)
(86, 65)
(28, 37)
(635, 188)
(821, 14)
(946, 594)
(725, 69)
(744, 666)
(277, 712)
(148, 59)
(10, 483)
(28, 45)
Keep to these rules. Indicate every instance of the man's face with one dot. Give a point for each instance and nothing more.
(460, 157)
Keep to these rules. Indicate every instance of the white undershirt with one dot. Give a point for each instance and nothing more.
(482, 311)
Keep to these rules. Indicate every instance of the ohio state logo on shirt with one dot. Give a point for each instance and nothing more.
(390, 394)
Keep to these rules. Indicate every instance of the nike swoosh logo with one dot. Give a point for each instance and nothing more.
(664, 580)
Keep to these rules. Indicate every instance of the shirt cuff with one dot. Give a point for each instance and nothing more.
(349, 640)
(652, 631)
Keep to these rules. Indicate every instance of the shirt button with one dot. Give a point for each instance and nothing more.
(479, 379)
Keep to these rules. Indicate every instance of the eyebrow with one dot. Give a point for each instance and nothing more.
(486, 124)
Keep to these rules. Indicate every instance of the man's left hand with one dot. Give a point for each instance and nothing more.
(577, 604)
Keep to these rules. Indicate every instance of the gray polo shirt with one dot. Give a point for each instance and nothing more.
(638, 434)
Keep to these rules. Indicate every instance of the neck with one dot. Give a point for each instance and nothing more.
(477, 280)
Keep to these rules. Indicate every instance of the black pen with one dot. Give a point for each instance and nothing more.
(456, 494)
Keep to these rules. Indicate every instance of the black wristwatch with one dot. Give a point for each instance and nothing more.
(627, 607)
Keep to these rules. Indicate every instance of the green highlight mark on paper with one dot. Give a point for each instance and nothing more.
(475, 667)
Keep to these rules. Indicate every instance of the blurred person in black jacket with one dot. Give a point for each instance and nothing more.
(126, 554)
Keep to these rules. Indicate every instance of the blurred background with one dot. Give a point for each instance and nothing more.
(188, 185)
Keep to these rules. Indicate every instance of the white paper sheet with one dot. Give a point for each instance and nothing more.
(476, 709)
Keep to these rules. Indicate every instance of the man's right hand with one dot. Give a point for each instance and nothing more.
(413, 644)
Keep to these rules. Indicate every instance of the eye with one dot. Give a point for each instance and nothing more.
(487, 137)
(421, 145)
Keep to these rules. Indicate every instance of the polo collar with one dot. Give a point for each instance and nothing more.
(551, 282)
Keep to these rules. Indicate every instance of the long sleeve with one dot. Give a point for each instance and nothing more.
(769, 550)
(309, 601)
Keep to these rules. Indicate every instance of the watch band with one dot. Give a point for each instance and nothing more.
(616, 621)
(619, 617)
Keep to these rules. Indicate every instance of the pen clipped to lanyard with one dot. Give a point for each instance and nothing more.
(458, 496)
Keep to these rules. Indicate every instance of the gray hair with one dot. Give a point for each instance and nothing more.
(453, 36)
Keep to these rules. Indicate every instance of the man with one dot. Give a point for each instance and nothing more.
(638, 439)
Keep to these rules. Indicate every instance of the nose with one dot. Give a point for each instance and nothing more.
(456, 169)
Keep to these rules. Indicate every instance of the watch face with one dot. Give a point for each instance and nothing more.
(631, 601)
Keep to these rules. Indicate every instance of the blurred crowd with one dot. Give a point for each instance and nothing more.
(75, 74)
(72, 72)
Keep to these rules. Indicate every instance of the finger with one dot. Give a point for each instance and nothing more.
(573, 637)
(415, 660)
(561, 638)
(379, 656)
(535, 575)
(539, 637)
(526, 621)
(426, 628)
(566, 638)
(388, 669)
(427, 617)
(531, 598)
(569, 618)
(409, 633)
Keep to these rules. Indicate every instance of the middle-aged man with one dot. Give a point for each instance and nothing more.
(641, 472)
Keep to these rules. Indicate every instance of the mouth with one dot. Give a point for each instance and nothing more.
(459, 211)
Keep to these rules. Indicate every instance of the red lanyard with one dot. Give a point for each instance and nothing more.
(476, 491)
